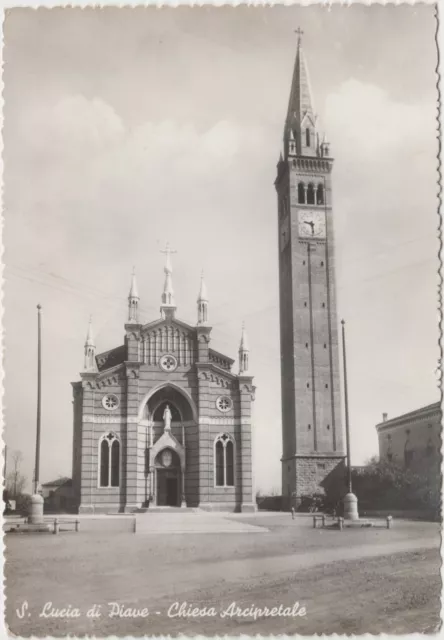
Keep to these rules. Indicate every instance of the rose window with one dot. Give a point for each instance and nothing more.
(110, 402)
(224, 403)
(168, 362)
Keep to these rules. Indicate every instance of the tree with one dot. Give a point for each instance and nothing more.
(15, 481)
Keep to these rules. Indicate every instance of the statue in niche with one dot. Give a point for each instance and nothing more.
(167, 419)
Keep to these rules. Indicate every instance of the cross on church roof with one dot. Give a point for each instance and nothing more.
(299, 32)
(168, 251)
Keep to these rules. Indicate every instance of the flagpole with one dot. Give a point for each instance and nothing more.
(39, 397)
(347, 424)
(350, 500)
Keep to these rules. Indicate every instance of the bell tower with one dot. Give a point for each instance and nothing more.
(313, 448)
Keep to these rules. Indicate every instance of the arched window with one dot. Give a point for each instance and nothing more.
(301, 193)
(310, 194)
(224, 461)
(307, 137)
(109, 461)
(320, 194)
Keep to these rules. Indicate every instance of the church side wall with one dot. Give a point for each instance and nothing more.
(97, 422)
(77, 443)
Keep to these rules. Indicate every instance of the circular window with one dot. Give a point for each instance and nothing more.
(224, 403)
(168, 362)
(110, 402)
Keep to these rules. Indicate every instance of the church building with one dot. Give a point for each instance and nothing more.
(162, 420)
(313, 447)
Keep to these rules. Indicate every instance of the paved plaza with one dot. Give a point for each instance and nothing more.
(353, 581)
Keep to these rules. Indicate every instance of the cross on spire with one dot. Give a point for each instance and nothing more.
(168, 251)
(168, 303)
(299, 32)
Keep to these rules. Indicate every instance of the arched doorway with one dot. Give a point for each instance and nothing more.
(168, 478)
(170, 417)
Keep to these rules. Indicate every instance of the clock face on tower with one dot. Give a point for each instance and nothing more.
(311, 224)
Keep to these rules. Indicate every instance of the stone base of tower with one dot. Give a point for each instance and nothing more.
(313, 475)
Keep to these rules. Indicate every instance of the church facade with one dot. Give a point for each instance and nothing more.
(162, 420)
(313, 448)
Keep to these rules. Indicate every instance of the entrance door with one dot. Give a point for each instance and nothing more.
(171, 492)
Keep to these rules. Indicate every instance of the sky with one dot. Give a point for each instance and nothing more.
(127, 128)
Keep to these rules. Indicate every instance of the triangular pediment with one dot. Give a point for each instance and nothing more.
(167, 441)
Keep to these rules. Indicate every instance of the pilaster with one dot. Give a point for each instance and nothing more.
(132, 341)
(205, 449)
(203, 340)
(129, 456)
(244, 455)
(88, 471)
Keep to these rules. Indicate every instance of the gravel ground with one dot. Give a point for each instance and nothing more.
(354, 581)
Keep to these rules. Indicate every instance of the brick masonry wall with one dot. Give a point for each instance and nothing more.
(311, 407)
(134, 384)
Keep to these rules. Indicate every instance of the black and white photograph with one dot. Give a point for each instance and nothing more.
(221, 320)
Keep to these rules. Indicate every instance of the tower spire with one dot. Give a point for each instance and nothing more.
(133, 300)
(90, 349)
(202, 302)
(244, 351)
(168, 306)
(300, 123)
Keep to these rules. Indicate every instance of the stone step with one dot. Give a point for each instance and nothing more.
(194, 522)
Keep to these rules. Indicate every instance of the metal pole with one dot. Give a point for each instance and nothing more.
(39, 397)
(347, 425)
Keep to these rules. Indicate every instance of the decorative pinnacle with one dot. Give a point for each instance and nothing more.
(134, 293)
(203, 296)
(89, 336)
(244, 340)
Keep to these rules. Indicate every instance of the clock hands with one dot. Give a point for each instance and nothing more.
(311, 224)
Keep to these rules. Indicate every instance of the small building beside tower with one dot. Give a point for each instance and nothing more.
(412, 440)
(162, 420)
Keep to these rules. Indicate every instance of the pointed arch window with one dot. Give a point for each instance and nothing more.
(311, 194)
(320, 194)
(301, 193)
(109, 461)
(307, 137)
(224, 461)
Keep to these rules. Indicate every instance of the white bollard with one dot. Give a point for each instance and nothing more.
(36, 509)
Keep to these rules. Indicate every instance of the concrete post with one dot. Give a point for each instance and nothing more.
(36, 509)
(351, 507)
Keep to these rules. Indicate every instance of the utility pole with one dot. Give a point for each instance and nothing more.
(347, 423)
(39, 397)
(350, 500)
